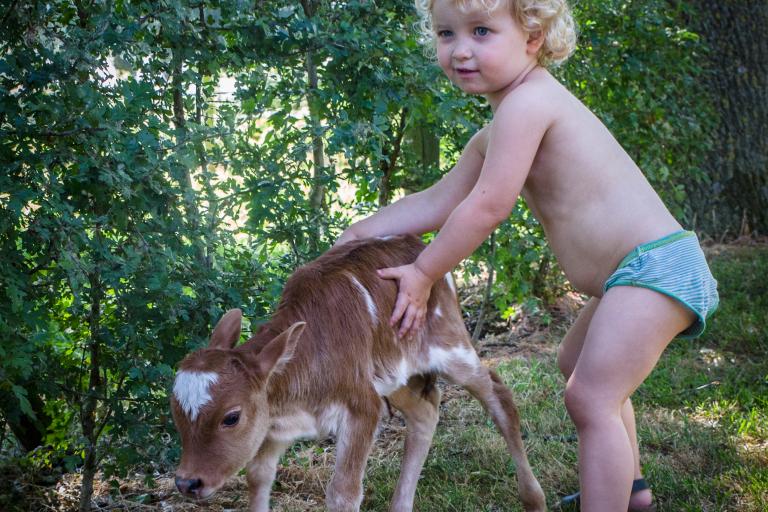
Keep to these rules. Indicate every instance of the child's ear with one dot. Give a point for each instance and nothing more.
(535, 41)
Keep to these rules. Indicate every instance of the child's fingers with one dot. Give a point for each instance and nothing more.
(408, 321)
(401, 306)
(413, 322)
(389, 273)
(401, 303)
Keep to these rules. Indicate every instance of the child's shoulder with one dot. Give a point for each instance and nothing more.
(538, 94)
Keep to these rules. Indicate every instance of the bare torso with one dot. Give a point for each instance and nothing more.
(592, 200)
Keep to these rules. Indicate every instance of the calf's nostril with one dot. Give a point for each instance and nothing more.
(188, 486)
(195, 484)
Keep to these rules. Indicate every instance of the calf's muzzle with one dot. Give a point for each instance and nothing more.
(189, 486)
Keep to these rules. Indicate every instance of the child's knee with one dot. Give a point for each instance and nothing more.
(575, 402)
(585, 404)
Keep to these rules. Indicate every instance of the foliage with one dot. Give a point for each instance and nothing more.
(639, 67)
(111, 266)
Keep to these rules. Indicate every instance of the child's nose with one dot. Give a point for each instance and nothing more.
(462, 51)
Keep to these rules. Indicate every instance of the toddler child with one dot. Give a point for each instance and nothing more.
(617, 243)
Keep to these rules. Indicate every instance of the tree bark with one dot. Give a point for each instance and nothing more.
(90, 401)
(387, 166)
(317, 193)
(736, 200)
(207, 175)
(478, 331)
(194, 218)
(425, 145)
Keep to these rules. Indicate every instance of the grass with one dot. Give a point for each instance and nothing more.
(702, 420)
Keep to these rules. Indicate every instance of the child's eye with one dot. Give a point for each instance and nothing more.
(482, 31)
(444, 33)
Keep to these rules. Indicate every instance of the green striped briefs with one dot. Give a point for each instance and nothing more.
(675, 266)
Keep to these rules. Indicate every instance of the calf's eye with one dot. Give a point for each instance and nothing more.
(231, 419)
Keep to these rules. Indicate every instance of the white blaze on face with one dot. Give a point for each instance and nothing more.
(191, 391)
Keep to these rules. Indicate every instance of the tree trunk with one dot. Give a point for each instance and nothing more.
(488, 292)
(317, 193)
(425, 145)
(210, 192)
(391, 154)
(736, 200)
(180, 121)
(90, 401)
(194, 218)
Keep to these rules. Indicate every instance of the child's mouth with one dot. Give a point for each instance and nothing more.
(466, 71)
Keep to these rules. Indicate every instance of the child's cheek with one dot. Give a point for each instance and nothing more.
(444, 61)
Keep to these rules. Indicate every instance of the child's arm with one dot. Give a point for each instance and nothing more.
(427, 210)
(518, 127)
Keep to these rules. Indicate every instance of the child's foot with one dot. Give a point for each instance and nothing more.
(641, 499)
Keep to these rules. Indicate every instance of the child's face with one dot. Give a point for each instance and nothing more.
(482, 52)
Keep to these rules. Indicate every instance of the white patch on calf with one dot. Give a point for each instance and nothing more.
(451, 282)
(191, 391)
(439, 359)
(301, 424)
(394, 381)
(332, 419)
(298, 424)
(374, 312)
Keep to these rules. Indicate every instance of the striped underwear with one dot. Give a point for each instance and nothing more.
(675, 266)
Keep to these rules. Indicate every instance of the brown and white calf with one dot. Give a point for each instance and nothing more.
(322, 366)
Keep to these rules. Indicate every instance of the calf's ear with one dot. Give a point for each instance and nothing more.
(278, 351)
(227, 331)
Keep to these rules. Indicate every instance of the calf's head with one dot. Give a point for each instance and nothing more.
(219, 403)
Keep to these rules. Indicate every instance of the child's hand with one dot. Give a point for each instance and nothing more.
(412, 294)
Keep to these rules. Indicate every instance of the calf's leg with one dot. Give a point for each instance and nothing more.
(354, 440)
(419, 402)
(488, 388)
(261, 473)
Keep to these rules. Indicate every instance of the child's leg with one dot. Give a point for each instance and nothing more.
(644, 497)
(567, 356)
(629, 330)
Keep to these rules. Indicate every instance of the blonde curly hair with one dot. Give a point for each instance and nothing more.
(551, 17)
